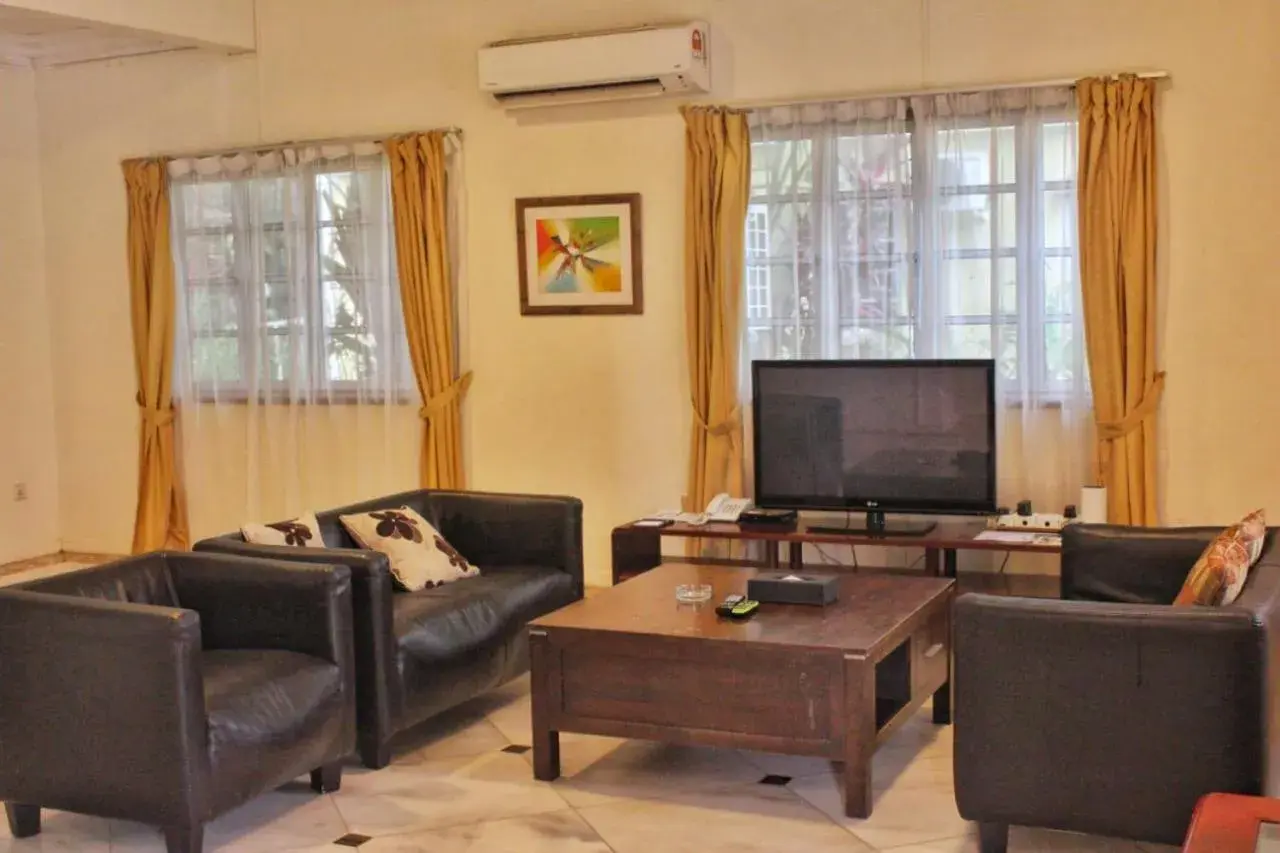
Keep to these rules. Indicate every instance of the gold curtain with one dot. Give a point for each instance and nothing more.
(419, 194)
(717, 186)
(1117, 187)
(161, 520)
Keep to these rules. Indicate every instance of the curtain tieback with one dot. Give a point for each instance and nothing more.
(723, 428)
(441, 401)
(154, 417)
(1113, 430)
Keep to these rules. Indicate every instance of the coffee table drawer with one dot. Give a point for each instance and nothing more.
(931, 654)
(755, 691)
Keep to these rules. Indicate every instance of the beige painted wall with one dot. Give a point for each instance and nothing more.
(597, 407)
(28, 447)
(221, 23)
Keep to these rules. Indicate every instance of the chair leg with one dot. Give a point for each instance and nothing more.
(375, 755)
(184, 838)
(327, 779)
(993, 837)
(24, 821)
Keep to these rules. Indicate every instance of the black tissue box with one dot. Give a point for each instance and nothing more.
(793, 588)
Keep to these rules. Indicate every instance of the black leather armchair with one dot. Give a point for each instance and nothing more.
(1110, 712)
(170, 688)
(420, 653)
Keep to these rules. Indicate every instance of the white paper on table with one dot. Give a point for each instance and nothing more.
(1019, 537)
(694, 518)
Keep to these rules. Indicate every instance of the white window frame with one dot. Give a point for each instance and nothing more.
(317, 387)
(758, 294)
(926, 301)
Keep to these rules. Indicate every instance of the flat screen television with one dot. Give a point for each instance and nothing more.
(912, 437)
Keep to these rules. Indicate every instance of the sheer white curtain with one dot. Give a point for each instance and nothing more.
(291, 364)
(931, 227)
(1003, 273)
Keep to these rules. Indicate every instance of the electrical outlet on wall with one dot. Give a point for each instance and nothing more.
(19, 491)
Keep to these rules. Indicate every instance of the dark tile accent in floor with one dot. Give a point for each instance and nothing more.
(774, 779)
(517, 749)
(352, 840)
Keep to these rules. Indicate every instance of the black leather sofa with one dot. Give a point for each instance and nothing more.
(420, 653)
(170, 688)
(1110, 712)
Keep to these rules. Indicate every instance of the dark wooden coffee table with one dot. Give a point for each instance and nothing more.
(830, 681)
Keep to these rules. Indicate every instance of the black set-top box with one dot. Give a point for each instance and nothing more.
(793, 588)
(763, 517)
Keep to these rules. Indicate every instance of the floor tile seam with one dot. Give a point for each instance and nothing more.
(932, 840)
(918, 842)
(437, 827)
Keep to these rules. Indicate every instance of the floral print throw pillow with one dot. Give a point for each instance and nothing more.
(1218, 577)
(300, 532)
(420, 557)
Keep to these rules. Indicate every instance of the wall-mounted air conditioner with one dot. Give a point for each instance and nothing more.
(640, 62)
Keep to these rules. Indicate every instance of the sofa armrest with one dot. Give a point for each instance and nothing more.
(88, 687)
(506, 530)
(1136, 565)
(1141, 709)
(1261, 600)
(261, 604)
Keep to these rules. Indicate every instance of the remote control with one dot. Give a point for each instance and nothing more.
(744, 609)
(725, 608)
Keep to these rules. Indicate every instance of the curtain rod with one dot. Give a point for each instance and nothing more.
(950, 90)
(292, 143)
(746, 105)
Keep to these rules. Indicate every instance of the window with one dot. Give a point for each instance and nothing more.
(286, 280)
(758, 274)
(920, 232)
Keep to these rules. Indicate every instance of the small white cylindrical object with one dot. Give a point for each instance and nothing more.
(1093, 505)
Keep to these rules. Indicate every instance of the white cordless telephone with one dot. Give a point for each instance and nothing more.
(725, 508)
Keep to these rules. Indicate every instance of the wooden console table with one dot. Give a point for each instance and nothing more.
(638, 549)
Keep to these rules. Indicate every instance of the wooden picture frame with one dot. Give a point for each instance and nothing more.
(580, 254)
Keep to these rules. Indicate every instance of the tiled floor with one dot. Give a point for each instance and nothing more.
(452, 789)
(48, 566)
(39, 572)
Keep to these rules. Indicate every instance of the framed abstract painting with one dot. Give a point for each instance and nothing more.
(580, 254)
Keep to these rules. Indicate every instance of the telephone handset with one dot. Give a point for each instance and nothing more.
(725, 508)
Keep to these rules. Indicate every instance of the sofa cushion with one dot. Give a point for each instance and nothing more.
(300, 532)
(444, 622)
(420, 557)
(337, 536)
(1219, 575)
(264, 706)
(522, 593)
(447, 622)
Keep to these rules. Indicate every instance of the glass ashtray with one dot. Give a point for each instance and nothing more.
(693, 593)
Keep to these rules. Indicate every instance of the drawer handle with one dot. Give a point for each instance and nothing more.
(933, 650)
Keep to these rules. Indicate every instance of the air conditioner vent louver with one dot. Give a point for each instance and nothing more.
(590, 93)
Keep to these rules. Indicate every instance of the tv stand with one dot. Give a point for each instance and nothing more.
(638, 549)
(877, 525)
